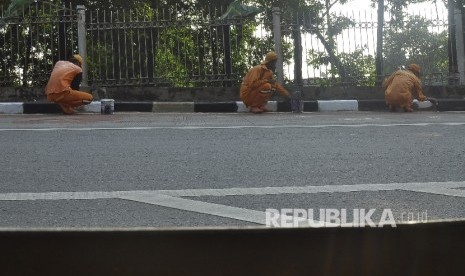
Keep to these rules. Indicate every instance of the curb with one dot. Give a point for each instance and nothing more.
(228, 107)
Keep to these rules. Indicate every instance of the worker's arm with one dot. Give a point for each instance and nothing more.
(76, 81)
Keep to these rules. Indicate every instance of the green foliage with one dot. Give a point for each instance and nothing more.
(171, 65)
(185, 49)
(26, 58)
(97, 68)
(360, 68)
(338, 24)
(415, 43)
(359, 65)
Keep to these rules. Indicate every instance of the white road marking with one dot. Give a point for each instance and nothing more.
(446, 188)
(175, 198)
(235, 127)
(200, 207)
(450, 188)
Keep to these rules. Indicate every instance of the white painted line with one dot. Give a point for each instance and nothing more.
(277, 190)
(201, 207)
(445, 188)
(338, 105)
(60, 196)
(441, 191)
(11, 108)
(172, 198)
(238, 127)
(433, 187)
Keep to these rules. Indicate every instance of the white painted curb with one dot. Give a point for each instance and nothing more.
(241, 107)
(11, 108)
(272, 106)
(93, 107)
(338, 105)
(421, 105)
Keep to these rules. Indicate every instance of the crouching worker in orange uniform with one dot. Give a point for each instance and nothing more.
(63, 86)
(402, 87)
(258, 85)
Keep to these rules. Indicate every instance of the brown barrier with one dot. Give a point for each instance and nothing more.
(418, 249)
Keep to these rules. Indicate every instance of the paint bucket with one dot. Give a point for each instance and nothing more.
(107, 106)
(297, 103)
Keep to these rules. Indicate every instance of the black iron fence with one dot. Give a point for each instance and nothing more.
(160, 47)
(32, 39)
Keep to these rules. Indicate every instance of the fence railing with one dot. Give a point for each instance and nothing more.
(32, 39)
(161, 48)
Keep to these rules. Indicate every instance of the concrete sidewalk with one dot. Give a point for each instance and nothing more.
(228, 107)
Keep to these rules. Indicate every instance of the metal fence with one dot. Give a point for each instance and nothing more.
(419, 38)
(32, 39)
(160, 47)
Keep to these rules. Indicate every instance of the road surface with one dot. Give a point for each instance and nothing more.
(194, 170)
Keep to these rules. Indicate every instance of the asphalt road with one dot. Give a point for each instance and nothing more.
(183, 170)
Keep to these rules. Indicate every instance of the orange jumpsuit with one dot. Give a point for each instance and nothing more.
(256, 80)
(401, 88)
(59, 89)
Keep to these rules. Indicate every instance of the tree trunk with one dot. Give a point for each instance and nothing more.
(332, 57)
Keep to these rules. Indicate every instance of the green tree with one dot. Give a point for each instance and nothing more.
(413, 42)
(177, 53)
(25, 56)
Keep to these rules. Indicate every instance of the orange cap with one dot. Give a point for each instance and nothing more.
(78, 58)
(414, 68)
(270, 56)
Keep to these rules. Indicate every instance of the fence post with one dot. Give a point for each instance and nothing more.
(297, 51)
(82, 45)
(379, 43)
(277, 43)
(452, 47)
(459, 42)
